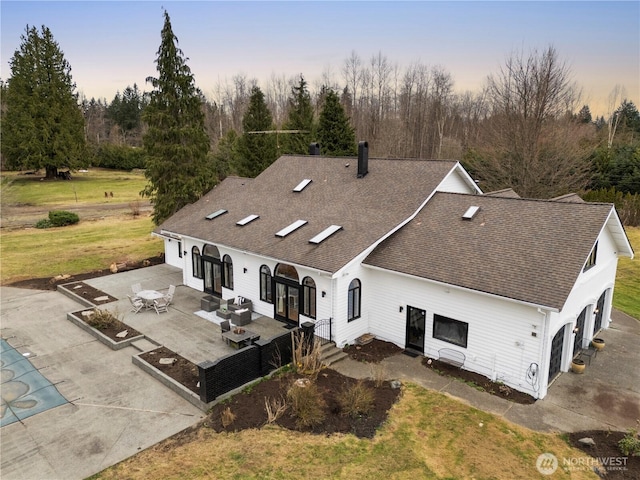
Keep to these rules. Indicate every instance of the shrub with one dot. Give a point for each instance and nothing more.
(103, 319)
(60, 218)
(227, 417)
(630, 443)
(356, 399)
(274, 407)
(44, 223)
(307, 404)
(119, 157)
(306, 356)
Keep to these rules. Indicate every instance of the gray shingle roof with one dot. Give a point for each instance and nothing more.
(528, 250)
(366, 208)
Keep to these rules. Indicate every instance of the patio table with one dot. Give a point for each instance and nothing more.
(240, 340)
(148, 296)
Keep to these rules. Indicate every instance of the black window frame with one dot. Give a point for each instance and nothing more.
(266, 284)
(196, 263)
(227, 272)
(437, 333)
(354, 310)
(179, 249)
(591, 260)
(309, 302)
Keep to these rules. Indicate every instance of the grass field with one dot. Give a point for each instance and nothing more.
(626, 294)
(428, 435)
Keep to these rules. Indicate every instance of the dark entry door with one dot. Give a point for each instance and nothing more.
(599, 313)
(287, 301)
(212, 269)
(577, 341)
(415, 329)
(555, 360)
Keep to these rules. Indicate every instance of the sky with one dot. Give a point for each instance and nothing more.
(111, 45)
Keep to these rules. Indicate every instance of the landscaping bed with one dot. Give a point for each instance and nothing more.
(88, 293)
(606, 447)
(373, 352)
(182, 370)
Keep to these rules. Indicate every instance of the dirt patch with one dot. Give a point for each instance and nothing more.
(373, 352)
(478, 381)
(182, 370)
(49, 283)
(606, 450)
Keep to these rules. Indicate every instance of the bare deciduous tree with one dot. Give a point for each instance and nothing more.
(530, 143)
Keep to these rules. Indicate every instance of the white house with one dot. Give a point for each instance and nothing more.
(413, 252)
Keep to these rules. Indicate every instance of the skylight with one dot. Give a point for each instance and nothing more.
(246, 220)
(470, 213)
(287, 230)
(301, 186)
(326, 233)
(215, 214)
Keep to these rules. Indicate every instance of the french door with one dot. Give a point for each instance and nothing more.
(287, 301)
(555, 359)
(212, 269)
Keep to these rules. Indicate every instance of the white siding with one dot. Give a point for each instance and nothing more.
(500, 341)
(455, 183)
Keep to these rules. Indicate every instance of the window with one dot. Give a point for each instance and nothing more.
(180, 249)
(227, 269)
(354, 300)
(265, 284)
(196, 262)
(591, 261)
(450, 330)
(309, 297)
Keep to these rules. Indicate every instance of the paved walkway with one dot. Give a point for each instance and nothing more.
(606, 396)
(116, 410)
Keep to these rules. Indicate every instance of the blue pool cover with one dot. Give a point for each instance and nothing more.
(25, 391)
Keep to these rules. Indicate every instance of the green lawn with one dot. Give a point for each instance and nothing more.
(626, 294)
(85, 188)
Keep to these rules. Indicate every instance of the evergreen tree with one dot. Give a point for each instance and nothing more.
(629, 116)
(257, 148)
(126, 110)
(335, 134)
(300, 118)
(176, 143)
(584, 115)
(42, 126)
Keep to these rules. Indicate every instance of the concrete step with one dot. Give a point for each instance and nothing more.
(145, 344)
(330, 354)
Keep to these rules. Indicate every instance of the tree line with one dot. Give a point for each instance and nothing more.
(526, 128)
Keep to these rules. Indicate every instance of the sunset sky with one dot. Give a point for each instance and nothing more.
(111, 45)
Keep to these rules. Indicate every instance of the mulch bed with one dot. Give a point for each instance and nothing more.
(182, 370)
(89, 293)
(48, 283)
(111, 331)
(605, 448)
(478, 381)
(250, 412)
(373, 352)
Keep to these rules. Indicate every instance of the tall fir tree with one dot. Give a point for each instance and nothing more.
(176, 143)
(300, 119)
(42, 123)
(335, 133)
(257, 148)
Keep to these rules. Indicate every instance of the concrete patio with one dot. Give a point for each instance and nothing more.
(179, 329)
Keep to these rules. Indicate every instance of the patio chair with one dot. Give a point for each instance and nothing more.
(136, 287)
(136, 304)
(170, 294)
(225, 326)
(161, 305)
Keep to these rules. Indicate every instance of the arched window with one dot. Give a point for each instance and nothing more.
(196, 262)
(211, 251)
(227, 275)
(309, 297)
(265, 284)
(354, 300)
(287, 271)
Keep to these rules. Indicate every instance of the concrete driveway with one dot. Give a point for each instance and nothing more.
(115, 408)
